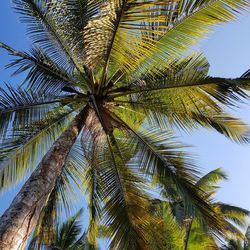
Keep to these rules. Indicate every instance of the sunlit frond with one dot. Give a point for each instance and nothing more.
(186, 97)
(201, 238)
(209, 181)
(234, 214)
(20, 153)
(191, 21)
(172, 230)
(189, 74)
(134, 27)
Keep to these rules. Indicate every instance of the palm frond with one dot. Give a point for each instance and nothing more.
(200, 235)
(122, 58)
(20, 153)
(93, 187)
(44, 74)
(164, 160)
(232, 245)
(174, 233)
(231, 127)
(20, 107)
(201, 238)
(45, 231)
(67, 234)
(98, 31)
(94, 208)
(81, 19)
(234, 214)
(189, 74)
(185, 111)
(121, 230)
(14, 99)
(209, 181)
(48, 27)
(185, 97)
(132, 28)
(191, 21)
(126, 202)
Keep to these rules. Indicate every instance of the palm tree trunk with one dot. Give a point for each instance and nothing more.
(187, 234)
(18, 221)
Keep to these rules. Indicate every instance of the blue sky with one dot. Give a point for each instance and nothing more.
(228, 51)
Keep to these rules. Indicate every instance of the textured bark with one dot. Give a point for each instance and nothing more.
(18, 221)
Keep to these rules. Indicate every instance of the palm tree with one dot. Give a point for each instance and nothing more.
(114, 74)
(191, 232)
(235, 217)
(68, 236)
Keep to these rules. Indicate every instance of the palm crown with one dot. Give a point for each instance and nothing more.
(123, 66)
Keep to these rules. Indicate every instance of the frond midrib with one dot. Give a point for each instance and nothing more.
(109, 50)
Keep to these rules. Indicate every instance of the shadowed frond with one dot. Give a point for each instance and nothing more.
(19, 107)
(44, 74)
(92, 186)
(126, 201)
(166, 162)
(94, 206)
(44, 233)
(67, 235)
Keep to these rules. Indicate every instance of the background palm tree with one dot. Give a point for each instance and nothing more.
(235, 217)
(187, 230)
(116, 75)
(68, 236)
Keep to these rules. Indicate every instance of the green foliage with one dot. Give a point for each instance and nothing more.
(196, 233)
(68, 236)
(22, 150)
(19, 107)
(127, 62)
